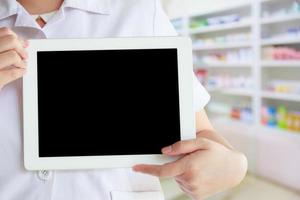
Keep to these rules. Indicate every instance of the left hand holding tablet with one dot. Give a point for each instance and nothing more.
(206, 167)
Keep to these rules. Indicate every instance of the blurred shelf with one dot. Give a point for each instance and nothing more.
(280, 19)
(224, 27)
(276, 130)
(221, 46)
(218, 110)
(224, 65)
(279, 41)
(275, 63)
(281, 96)
(213, 89)
(218, 9)
(261, 70)
(232, 124)
(226, 124)
(232, 91)
(238, 92)
(267, 1)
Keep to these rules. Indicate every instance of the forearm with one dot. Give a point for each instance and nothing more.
(206, 130)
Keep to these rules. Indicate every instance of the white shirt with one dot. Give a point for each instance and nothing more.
(76, 19)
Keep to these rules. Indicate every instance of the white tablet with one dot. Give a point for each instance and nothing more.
(106, 103)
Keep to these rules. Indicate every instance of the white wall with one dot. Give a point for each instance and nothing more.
(178, 8)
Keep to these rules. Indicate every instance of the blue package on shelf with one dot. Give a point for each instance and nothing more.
(272, 116)
(223, 19)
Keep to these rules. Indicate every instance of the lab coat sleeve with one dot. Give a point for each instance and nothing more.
(163, 27)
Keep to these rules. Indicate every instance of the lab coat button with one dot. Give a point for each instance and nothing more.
(44, 175)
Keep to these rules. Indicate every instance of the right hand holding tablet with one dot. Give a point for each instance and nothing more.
(13, 56)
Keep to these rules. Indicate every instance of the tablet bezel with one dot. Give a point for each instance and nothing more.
(32, 161)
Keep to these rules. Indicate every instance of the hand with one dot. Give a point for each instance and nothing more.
(12, 56)
(206, 167)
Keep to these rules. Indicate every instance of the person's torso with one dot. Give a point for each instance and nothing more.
(114, 20)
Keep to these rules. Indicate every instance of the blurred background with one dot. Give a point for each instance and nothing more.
(247, 55)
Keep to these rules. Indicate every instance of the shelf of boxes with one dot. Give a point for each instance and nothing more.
(281, 96)
(280, 64)
(232, 91)
(223, 27)
(255, 131)
(280, 19)
(218, 9)
(238, 92)
(280, 41)
(269, 1)
(223, 65)
(254, 20)
(221, 46)
(237, 38)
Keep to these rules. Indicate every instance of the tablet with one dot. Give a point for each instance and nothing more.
(106, 103)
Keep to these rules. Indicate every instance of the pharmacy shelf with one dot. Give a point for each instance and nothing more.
(279, 64)
(280, 19)
(222, 46)
(232, 91)
(281, 96)
(228, 125)
(223, 65)
(218, 9)
(247, 134)
(255, 130)
(269, 1)
(266, 1)
(280, 41)
(238, 92)
(256, 66)
(278, 131)
(212, 89)
(224, 27)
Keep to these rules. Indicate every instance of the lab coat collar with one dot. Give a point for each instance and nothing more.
(8, 8)
(95, 6)
(11, 7)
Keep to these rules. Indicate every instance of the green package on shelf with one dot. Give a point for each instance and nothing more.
(282, 117)
(198, 23)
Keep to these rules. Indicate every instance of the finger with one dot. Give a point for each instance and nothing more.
(24, 42)
(4, 31)
(11, 42)
(187, 146)
(11, 58)
(171, 169)
(7, 76)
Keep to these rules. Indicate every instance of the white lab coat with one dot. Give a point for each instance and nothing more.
(76, 19)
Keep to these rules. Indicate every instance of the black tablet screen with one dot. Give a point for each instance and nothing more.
(107, 102)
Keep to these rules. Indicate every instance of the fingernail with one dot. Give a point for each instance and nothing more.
(167, 149)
